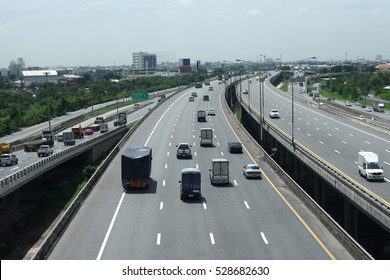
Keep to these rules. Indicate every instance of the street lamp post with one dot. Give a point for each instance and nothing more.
(292, 101)
(48, 100)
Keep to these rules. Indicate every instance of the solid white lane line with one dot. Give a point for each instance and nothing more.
(385, 162)
(387, 151)
(110, 227)
(263, 237)
(161, 205)
(246, 205)
(158, 238)
(212, 238)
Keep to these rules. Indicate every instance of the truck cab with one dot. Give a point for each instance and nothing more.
(190, 183)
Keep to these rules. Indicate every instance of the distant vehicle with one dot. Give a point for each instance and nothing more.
(235, 147)
(219, 172)
(357, 103)
(274, 114)
(368, 109)
(88, 131)
(94, 126)
(190, 183)
(78, 131)
(68, 138)
(252, 170)
(207, 82)
(211, 112)
(44, 150)
(59, 138)
(194, 94)
(201, 115)
(198, 85)
(136, 167)
(8, 159)
(206, 137)
(245, 91)
(34, 145)
(347, 103)
(161, 97)
(362, 106)
(99, 120)
(5, 148)
(211, 89)
(104, 127)
(368, 163)
(379, 107)
(191, 99)
(206, 97)
(362, 118)
(183, 150)
(136, 105)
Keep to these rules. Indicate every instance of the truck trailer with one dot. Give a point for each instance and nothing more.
(68, 138)
(369, 167)
(219, 172)
(136, 167)
(206, 137)
(33, 146)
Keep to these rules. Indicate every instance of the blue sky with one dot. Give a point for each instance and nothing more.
(107, 32)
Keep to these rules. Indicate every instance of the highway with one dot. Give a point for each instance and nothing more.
(247, 219)
(335, 139)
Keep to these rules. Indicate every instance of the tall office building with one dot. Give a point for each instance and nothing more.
(144, 61)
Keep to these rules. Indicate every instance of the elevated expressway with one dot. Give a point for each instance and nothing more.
(247, 219)
(327, 144)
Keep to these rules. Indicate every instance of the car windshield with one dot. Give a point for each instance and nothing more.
(183, 146)
(253, 167)
(373, 165)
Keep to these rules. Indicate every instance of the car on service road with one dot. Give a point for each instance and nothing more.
(251, 170)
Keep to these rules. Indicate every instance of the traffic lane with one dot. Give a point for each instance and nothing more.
(362, 138)
(84, 238)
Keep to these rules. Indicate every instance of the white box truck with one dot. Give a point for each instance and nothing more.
(206, 137)
(219, 172)
(369, 167)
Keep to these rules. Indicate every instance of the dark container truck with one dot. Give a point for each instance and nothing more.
(190, 184)
(136, 167)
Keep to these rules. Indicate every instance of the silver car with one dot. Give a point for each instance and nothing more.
(251, 170)
(8, 159)
(183, 150)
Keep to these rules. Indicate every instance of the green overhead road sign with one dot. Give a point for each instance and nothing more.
(140, 95)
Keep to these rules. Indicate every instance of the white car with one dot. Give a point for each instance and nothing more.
(245, 91)
(211, 112)
(368, 109)
(251, 170)
(274, 113)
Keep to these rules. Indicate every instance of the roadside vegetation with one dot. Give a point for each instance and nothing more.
(23, 107)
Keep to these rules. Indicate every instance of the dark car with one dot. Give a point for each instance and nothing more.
(235, 147)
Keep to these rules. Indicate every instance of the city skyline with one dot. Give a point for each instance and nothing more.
(106, 33)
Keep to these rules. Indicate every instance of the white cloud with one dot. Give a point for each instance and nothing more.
(5, 27)
(254, 12)
(301, 11)
(184, 2)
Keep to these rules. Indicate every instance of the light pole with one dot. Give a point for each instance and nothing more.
(48, 100)
(292, 100)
